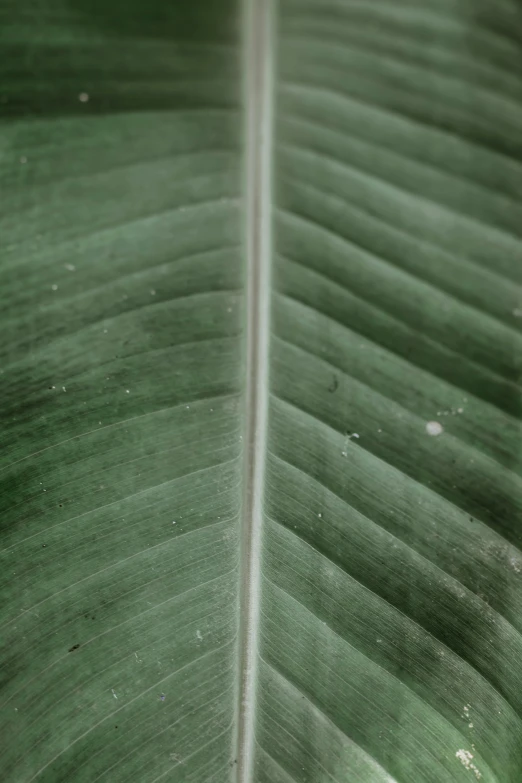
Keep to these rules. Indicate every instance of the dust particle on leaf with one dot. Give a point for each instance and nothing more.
(465, 757)
(434, 427)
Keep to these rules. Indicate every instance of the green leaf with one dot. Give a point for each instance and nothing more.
(261, 306)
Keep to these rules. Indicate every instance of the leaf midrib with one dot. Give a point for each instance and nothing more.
(258, 96)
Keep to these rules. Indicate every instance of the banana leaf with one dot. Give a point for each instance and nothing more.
(260, 467)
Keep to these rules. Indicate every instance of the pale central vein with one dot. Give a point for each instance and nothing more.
(258, 100)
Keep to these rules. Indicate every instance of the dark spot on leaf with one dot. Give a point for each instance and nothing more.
(74, 647)
(334, 385)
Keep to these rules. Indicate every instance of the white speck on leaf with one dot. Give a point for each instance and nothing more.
(199, 636)
(83, 97)
(54, 287)
(113, 693)
(23, 159)
(64, 389)
(152, 292)
(517, 312)
(127, 391)
(70, 267)
(355, 435)
(434, 427)
(465, 758)
(320, 515)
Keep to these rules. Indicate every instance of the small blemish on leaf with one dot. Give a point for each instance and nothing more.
(434, 428)
(465, 757)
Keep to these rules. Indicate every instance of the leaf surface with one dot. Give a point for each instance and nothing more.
(260, 474)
